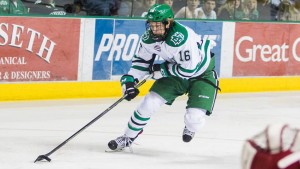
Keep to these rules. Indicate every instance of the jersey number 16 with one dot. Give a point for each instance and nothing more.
(185, 56)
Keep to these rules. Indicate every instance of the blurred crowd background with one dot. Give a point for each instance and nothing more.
(263, 10)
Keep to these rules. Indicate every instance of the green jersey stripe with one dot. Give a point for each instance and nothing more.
(174, 70)
(206, 45)
(188, 70)
(140, 68)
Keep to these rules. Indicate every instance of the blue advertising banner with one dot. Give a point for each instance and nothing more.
(116, 42)
(128, 32)
(102, 66)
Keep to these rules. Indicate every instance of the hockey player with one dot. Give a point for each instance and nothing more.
(188, 69)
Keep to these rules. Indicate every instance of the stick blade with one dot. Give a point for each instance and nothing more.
(42, 157)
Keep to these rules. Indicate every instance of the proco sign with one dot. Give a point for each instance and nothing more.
(119, 46)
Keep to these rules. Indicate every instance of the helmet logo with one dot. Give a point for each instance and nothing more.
(150, 16)
(177, 38)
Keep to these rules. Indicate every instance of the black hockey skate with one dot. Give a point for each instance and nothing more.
(122, 142)
(187, 135)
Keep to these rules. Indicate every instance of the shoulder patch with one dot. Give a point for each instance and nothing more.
(146, 37)
(177, 35)
(177, 38)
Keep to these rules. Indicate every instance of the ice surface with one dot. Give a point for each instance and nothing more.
(29, 129)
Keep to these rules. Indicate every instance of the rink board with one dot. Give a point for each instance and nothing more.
(86, 57)
(64, 90)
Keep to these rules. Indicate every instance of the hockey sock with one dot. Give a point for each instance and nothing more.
(150, 104)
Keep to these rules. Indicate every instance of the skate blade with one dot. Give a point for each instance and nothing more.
(125, 150)
(113, 151)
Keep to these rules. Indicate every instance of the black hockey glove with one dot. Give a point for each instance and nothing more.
(128, 82)
(159, 70)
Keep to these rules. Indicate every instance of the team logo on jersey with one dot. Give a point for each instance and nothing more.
(177, 38)
(146, 36)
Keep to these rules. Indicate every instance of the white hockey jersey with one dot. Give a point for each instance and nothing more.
(186, 53)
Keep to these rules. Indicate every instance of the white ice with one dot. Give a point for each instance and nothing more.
(32, 128)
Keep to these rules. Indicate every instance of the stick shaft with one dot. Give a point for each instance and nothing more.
(95, 119)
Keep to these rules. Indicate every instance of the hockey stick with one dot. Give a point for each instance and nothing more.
(46, 156)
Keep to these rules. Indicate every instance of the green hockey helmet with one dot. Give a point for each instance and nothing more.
(159, 13)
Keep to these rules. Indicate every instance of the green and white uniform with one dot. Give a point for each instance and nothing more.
(191, 71)
(189, 62)
(187, 55)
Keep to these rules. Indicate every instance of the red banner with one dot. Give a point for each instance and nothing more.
(39, 49)
(266, 49)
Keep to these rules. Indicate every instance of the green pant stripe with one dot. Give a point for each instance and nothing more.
(139, 117)
(133, 128)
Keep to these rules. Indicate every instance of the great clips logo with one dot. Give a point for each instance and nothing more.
(266, 50)
(254, 51)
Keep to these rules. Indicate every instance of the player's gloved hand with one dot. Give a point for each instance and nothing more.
(159, 70)
(128, 82)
